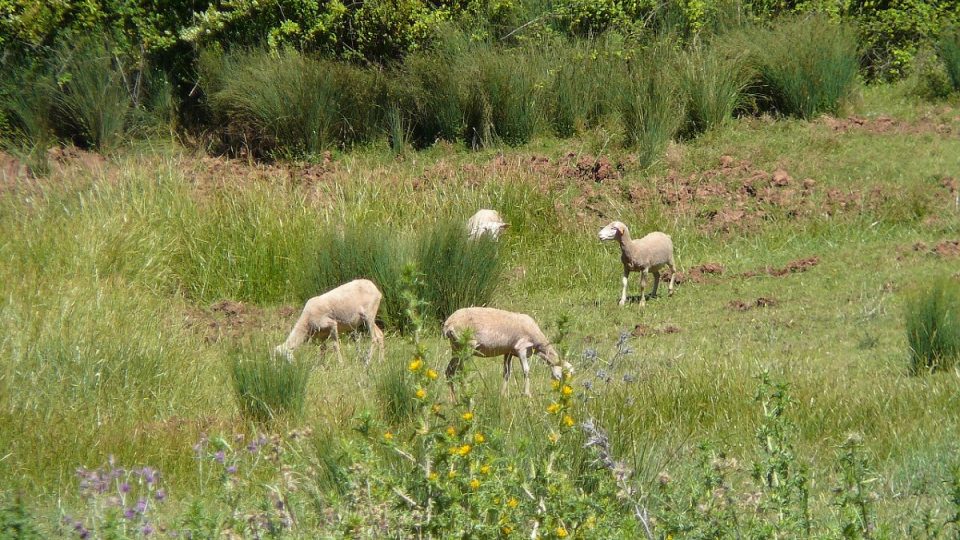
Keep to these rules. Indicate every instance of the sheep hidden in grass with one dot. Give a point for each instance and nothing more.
(488, 332)
(342, 309)
(646, 255)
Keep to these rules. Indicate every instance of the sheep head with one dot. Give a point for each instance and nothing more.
(614, 230)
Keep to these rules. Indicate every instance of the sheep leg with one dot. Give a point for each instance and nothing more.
(673, 276)
(643, 285)
(623, 293)
(335, 337)
(376, 339)
(298, 336)
(526, 370)
(452, 368)
(507, 361)
(656, 283)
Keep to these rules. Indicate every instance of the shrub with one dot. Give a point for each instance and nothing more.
(933, 327)
(434, 95)
(806, 66)
(267, 387)
(652, 110)
(502, 96)
(586, 84)
(949, 49)
(457, 271)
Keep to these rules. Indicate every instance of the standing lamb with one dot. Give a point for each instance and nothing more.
(493, 332)
(340, 310)
(648, 254)
(486, 222)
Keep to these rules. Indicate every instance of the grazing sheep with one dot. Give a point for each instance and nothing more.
(486, 222)
(340, 310)
(648, 254)
(493, 332)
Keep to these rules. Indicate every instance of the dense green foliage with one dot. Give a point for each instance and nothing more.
(949, 48)
(268, 387)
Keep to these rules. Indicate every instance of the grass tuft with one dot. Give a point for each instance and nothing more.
(652, 110)
(713, 81)
(457, 271)
(949, 49)
(933, 327)
(267, 387)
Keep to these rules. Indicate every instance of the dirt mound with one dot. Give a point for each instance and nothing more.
(793, 267)
(698, 274)
(762, 302)
(947, 248)
(888, 125)
(643, 330)
(232, 320)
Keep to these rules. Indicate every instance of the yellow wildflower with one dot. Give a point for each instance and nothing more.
(506, 529)
(433, 476)
(452, 473)
(556, 384)
(436, 408)
(431, 374)
(416, 364)
(479, 438)
(485, 469)
(561, 532)
(464, 450)
(451, 432)
(474, 484)
(553, 408)
(566, 390)
(554, 437)
(421, 393)
(388, 436)
(568, 421)
(513, 502)
(468, 416)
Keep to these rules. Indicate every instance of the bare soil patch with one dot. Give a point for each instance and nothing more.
(698, 274)
(233, 320)
(888, 125)
(643, 330)
(746, 305)
(793, 267)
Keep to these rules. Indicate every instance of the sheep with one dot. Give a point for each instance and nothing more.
(492, 332)
(648, 254)
(486, 222)
(341, 309)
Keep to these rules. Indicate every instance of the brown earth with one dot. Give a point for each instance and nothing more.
(762, 302)
(793, 267)
(232, 320)
(887, 125)
(643, 330)
(697, 274)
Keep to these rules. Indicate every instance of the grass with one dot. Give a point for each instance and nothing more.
(652, 110)
(266, 387)
(933, 327)
(949, 50)
(107, 274)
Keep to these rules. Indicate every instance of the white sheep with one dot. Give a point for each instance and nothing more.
(493, 332)
(342, 309)
(648, 254)
(486, 222)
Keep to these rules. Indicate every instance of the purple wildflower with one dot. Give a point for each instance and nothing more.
(160, 495)
(125, 487)
(141, 506)
(219, 457)
(129, 513)
(147, 529)
(149, 475)
(232, 469)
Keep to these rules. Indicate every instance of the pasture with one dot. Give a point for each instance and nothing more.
(133, 285)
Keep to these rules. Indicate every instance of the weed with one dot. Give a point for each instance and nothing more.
(853, 499)
(933, 327)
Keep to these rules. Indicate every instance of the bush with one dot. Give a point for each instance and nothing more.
(434, 96)
(949, 49)
(267, 387)
(289, 104)
(457, 271)
(588, 80)
(933, 327)
(652, 109)
(502, 97)
(807, 66)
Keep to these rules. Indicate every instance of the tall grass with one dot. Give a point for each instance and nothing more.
(93, 102)
(30, 133)
(713, 80)
(288, 103)
(435, 95)
(949, 49)
(652, 110)
(457, 271)
(807, 66)
(267, 387)
(933, 327)
(361, 251)
(501, 106)
(584, 89)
